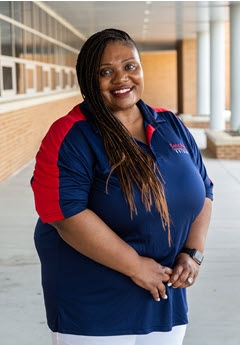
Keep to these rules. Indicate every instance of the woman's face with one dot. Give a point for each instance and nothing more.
(121, 76)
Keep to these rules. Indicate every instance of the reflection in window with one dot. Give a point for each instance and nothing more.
(6, 38)
(7, 78)
(27, 13)
(46, 81)
(57, 80)
(18, 11)
(30, 78)
(65, 79)
(19, 46)
(5, 8)
(29, 45)
(20, 78)
(39, 79)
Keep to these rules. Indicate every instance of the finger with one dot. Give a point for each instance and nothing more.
(162, 291)
(155, 294)
(167, 270)
(177, 271)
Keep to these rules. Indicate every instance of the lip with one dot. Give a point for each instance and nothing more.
(121, 91)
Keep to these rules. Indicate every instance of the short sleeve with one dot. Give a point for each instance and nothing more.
(198, 160)
(63, 172)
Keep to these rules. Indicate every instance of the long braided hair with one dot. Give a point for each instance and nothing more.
(130, 162)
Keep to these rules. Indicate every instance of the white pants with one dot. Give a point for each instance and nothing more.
(175, 337)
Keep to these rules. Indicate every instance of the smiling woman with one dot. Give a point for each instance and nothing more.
(116, 220)
(121, 79)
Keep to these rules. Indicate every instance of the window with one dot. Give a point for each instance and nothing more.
(34, 62)
(7, 82)
(30, 78)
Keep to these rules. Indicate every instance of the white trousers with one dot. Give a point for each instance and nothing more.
(175, 337)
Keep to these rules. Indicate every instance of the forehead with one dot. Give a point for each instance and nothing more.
(119, 50)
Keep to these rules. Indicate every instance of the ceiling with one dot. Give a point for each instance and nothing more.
(152, 24)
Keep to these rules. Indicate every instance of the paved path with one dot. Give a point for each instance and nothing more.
(214, 302)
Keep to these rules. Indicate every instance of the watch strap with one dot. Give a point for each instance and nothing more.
(194, 254)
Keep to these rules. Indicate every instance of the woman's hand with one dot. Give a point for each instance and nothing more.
(151, 276)
(185, 268)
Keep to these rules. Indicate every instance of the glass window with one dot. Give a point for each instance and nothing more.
(36, 17)
(27, 13)
(19, 46)
(45, 50)
(5, 8)
(6, 38)
(65, 79)
(7, 78)
(38, 52)
(39, 79)
(20, 78)
(44, 22)
(18, 11)
(30, 78)
(29, 45)
(46, 79)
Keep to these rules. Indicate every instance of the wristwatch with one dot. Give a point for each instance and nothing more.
(194, 253)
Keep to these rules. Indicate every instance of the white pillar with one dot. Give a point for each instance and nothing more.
(235, 65)
(217, 75)
(203, 73)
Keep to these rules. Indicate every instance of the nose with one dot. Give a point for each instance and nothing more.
(120, 76)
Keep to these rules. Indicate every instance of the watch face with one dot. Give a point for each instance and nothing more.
(198, 256)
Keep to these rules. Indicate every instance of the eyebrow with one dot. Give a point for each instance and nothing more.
(109, 64)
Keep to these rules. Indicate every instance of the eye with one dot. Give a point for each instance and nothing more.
(130, 66)
(105, 72)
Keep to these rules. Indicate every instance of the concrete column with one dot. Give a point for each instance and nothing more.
(217, 74)
(234, 65)
(203, 73)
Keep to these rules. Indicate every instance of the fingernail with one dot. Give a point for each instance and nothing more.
(166, 297)
(158, 300)
(169, 284)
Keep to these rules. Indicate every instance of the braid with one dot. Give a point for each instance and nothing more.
(131, 163)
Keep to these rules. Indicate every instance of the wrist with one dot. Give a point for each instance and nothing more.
(195, 254)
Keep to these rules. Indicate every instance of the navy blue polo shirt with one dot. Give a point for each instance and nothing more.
(81, 296)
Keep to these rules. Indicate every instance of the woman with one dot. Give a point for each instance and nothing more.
(124, 202)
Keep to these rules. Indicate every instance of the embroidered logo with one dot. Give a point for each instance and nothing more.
(179, 148)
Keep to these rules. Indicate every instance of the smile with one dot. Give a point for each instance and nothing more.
(121, 91)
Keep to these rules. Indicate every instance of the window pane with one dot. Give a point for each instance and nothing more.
(7, 78)
(53, 79)
(27, 14)
(29, 45)
(20, 78)
(19, 42)
(36, 18)
(38, 43)
(39, 79)
(65, 79)
(6, 38)
(30, 78)
(18, 11)
(45, 76)
(5, 8)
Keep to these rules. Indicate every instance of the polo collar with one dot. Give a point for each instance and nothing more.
(151, 115)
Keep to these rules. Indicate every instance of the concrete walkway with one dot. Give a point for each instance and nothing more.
(214, 301)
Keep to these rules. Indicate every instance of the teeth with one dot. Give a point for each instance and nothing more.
(122, 91)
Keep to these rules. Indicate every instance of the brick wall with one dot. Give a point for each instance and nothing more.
(160, 78)
(21, 132)
(187, 77)
(223, 151)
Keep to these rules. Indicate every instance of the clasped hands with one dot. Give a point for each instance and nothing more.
(154, 277)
